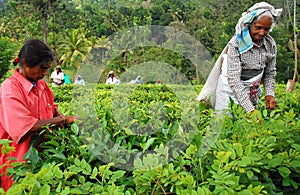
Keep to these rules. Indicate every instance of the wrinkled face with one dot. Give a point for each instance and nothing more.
(260, 28)
(37, 72)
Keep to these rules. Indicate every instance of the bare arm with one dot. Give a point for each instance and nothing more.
(60, 120)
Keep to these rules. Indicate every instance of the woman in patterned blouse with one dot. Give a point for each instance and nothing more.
(250, 61)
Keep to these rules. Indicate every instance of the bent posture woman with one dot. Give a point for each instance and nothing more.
(250, 60)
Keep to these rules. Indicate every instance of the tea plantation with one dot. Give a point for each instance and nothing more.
(156, 139)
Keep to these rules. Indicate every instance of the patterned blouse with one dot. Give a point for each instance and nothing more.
(261, 56)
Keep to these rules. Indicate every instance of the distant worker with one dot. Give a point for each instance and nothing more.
(158, 82)
(79, 80)
(138, 80)
(112, 78)
(57, 77)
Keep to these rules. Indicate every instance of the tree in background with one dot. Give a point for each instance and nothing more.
(212, 23)
(74, 48)
(42, 10)
(7, 54)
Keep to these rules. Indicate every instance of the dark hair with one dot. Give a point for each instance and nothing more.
(35, 53)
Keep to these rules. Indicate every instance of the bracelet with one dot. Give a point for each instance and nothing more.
(62, 116)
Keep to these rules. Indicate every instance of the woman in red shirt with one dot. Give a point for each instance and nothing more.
(27, 103)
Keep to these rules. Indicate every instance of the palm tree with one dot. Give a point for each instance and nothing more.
(103, 45)
(75, 48)
(110, 20)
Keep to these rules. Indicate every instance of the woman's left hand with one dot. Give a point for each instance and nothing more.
(270, 102)
(71, 119)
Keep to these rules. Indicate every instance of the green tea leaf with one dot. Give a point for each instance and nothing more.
(94, 173)
(245, 192)
(269, 156)
(232, 153)
(60, 155)
(275, 162)
(250, 174)
(248, 150)
(81, 179)
(66, 191)
(5, 141)
(76, 191)
(52, 142)
(294, 184)
(58, 173)
(58, 188)
(296, 146)
(138, 163)
(45, 189)
(239, 149)
(128, 131)
(265, 113)
(146, 145)
(286, 182)
(75, 129)
(284, 171)
(77, 162)
(295, 163)
(117, 175)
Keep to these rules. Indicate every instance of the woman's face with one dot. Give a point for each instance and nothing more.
(36, 73)
(260, 28)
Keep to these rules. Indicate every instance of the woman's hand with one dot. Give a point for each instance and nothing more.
(68, 119)
(270, 102)
(71, 119)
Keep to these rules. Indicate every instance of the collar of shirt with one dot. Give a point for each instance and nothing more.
(262, 43)
(28, 86)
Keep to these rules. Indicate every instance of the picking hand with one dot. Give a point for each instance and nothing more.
(270, 102)
(70, 119)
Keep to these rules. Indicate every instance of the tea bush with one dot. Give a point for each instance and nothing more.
(107, 152)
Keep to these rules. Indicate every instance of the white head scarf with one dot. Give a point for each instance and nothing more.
(241, 29)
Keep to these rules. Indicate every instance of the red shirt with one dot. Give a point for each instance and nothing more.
(21, 105)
